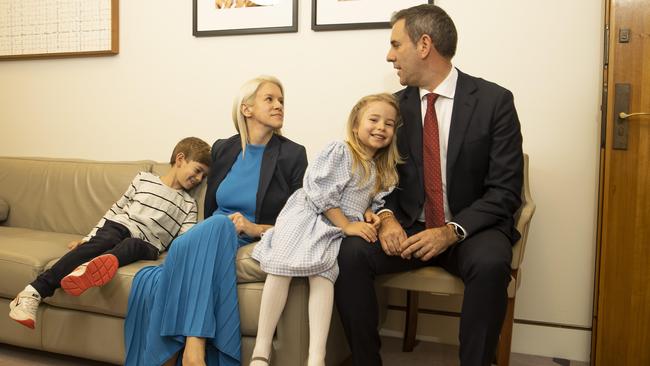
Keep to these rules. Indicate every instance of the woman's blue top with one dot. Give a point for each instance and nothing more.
(238, 191)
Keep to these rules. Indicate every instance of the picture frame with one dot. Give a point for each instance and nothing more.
(333, 15)
(58, 29)
(238, 17)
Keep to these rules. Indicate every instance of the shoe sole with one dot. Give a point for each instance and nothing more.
(29, 323)
(99, 272)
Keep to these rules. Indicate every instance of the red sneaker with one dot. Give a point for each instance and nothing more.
(95, 273)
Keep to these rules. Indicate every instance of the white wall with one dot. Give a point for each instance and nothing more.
(166, 84)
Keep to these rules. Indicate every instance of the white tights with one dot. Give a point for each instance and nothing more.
(274, 298)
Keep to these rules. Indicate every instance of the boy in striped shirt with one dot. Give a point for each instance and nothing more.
(140, 225)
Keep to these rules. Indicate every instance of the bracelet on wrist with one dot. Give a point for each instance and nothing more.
(384, 215)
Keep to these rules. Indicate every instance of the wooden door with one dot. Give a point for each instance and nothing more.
(622, 306)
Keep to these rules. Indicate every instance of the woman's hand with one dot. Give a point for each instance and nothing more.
(372, 218)
(242, 225)
(75, 243)
(362, 229)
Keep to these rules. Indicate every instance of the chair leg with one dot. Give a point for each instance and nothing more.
(411, 321)
(505, 340)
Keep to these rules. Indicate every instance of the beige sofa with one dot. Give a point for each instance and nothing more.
(53, 201)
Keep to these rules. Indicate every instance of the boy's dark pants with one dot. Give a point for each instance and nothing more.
(112, 238)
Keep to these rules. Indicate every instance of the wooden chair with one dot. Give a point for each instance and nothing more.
(436, 280)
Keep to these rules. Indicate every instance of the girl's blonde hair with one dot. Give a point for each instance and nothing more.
(386, 158)
(246, 96)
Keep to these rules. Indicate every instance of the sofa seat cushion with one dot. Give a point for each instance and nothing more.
(248, 269)
(110, 299)
(24, 253)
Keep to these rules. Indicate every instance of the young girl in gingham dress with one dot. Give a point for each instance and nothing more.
(342, 190)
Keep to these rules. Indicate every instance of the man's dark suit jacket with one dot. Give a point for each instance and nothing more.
(283, 166)
(484, 158)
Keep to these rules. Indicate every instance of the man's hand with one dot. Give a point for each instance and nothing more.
(391, 235)
(75, 243)
(428, 243)
(242, 225)
(372, 218)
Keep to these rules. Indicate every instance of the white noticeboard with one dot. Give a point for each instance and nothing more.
(58, 28)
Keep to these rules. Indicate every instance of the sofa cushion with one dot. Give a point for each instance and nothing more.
(110, 299)
(64, 196)
(24, 253)
(4, 210)
(248, 269)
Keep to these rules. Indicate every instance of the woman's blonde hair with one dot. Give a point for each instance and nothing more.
(386, 158)
(246, 95)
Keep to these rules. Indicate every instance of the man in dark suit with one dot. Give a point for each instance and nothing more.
(458, 192)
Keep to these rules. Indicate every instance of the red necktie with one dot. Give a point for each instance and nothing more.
(434, 211)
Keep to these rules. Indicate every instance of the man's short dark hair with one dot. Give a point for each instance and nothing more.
(433, 21)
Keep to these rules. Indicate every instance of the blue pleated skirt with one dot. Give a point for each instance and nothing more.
(193, 293)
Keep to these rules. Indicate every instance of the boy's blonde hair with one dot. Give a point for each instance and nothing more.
(194, 149)
(386, 158)
(246, 95)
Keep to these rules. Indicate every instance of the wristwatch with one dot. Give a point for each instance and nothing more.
(458, 231)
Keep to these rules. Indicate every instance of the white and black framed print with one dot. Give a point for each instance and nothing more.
(328, 15)
(233, 17)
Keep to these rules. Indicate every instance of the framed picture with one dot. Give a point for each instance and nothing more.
(328, 15)
(58, 28)
(232, 17)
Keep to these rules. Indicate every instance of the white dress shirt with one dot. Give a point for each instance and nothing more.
(444, 106)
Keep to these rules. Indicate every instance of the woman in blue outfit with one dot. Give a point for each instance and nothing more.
(189, 304)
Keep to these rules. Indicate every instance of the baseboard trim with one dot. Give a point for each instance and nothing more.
(529, 337)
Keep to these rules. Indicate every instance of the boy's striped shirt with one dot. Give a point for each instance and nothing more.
(152, 211)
